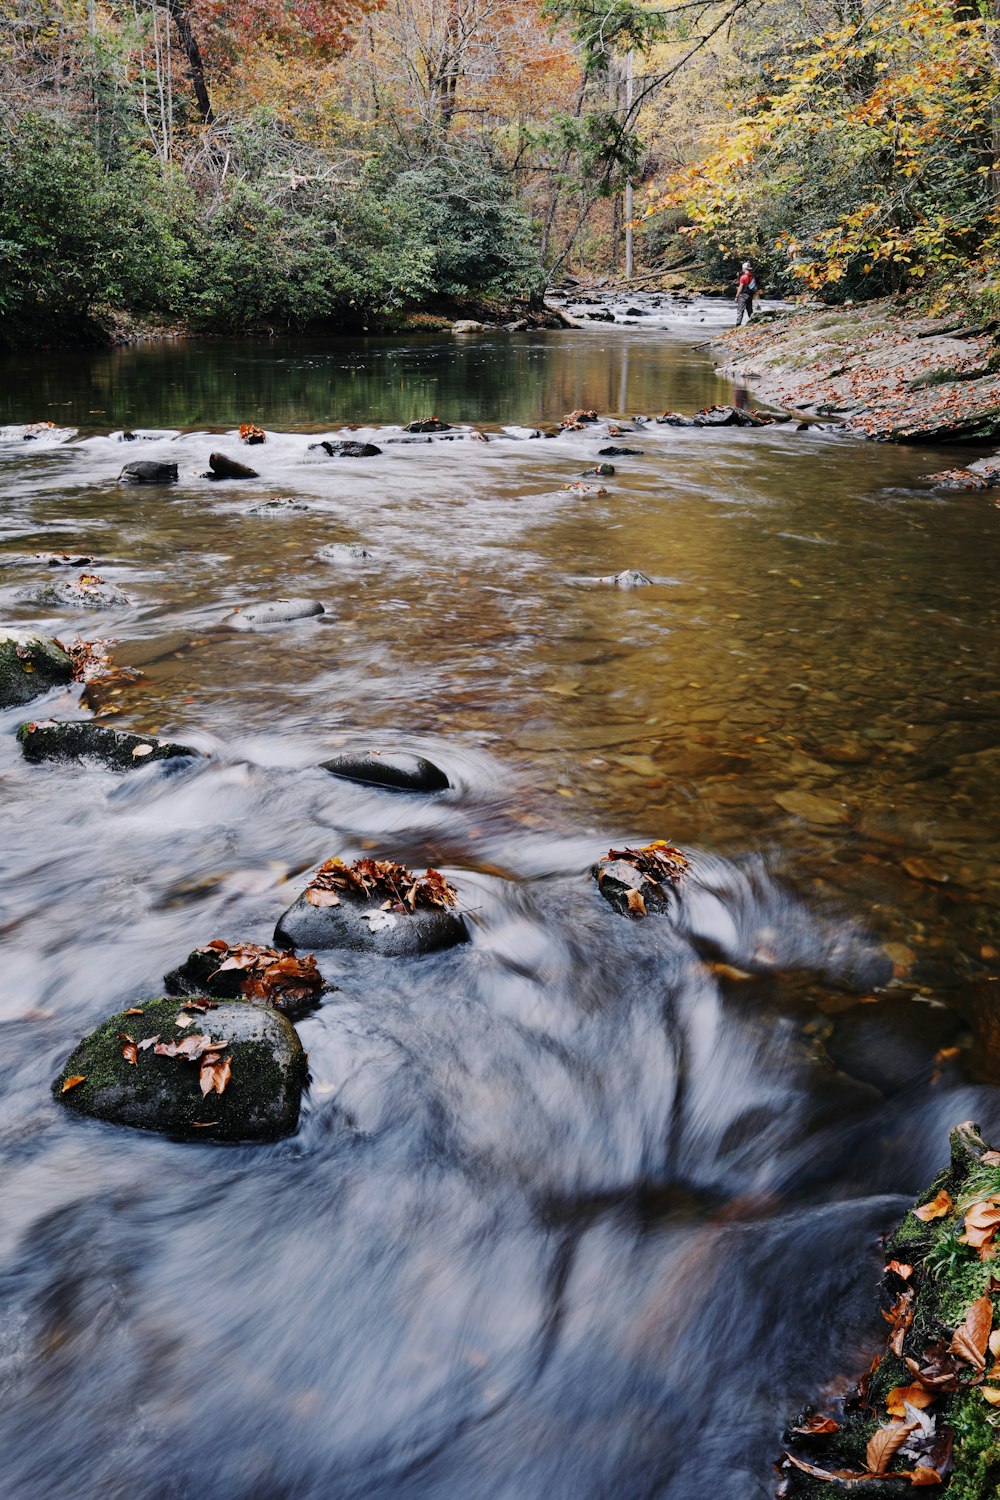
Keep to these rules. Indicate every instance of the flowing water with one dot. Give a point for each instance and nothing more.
(578, 1209)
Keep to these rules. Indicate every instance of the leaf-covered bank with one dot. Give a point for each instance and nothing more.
(875, 369)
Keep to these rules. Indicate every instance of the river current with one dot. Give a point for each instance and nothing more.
(589, 1206)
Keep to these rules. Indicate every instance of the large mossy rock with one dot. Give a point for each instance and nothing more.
(29, 665)
(397, 770)
(359, 923)
(924, 1415)
(260, 1100)
(81, 739)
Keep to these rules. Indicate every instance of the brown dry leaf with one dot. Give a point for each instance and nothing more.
(147, 1042)
(203, 1124)
(141, 750)
(817, 1426)
(902, 1270)
(970, 1341)
(72, 1081)
(135, 1010)
(939, 1372)
(939, 1205)
(130, 1051)
(994, 1344)
(831, 1474)
(317, 897)
(191, 1048)
(183, 1019)
(919, 1396)
(981, 1223)
(215, 1075)
(635, 903)
(922, 1476)
(900, 1317)
(991, 1394)
(884, 1443)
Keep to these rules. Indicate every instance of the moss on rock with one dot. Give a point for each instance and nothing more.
(30, 665)
(156, 1092)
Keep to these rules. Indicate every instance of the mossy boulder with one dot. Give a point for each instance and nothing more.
(261, 1096)
(924, 1414)
(30, 665)
(81, 739)
(397, 770)
(359, 923)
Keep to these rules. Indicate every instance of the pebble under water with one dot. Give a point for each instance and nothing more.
(588, 1206)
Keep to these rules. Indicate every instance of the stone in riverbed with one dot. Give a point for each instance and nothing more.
(356, 919)
(29, 665)
(613, 452)
(221, 467)
(344, 552)
(260, 1099)
(629, 578)
(281, 505)
(148, 471)
(274, 612)
(398, 770)
(428, 424)
(348, 449)
(468, 325)
(251, 973)
(81, 739)
(87, 592)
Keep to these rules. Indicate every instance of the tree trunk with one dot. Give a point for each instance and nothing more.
(193, 54)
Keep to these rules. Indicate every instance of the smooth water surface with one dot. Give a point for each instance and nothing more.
(574, 1210)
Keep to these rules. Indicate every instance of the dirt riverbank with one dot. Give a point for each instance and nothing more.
(875, 369)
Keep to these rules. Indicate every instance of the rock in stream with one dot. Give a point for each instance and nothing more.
(82, 739)
(397, 770)
(30, 665)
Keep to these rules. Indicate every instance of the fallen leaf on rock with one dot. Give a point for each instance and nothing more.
(148, 1041)
(817, 1426)
(970, 1340)
(380, 878)
(990, 1158)
(917, 1395)
(215, 1075)
(635, 903)
(141, 750)
(135, 1010)
(900, 1316)
(884, 1443)
(981, 1222)
(72, 1081)
(830, 1474)
(129, 1051)
(203, 1124)
(991, 1394)
(191, 1048)
(322, 898)
(939, 1205)
(923, 1476)
(939, 1372)
(901, 1269)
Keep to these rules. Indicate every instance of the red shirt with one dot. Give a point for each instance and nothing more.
(743, 284)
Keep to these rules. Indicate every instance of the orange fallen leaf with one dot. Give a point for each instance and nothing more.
(991, 1394)
(902, 1270)
(818, 1473)
(130, 1051)
(636, 903)
(923, 1476)
(970, 1340)
(72, 1081)
(884, 1443)
(939, 1205)
(215, 1075)
(817, 1426)
(916, 1395)
(135, 1010)
(990, 1158)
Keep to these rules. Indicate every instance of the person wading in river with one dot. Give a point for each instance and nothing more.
(745, 289)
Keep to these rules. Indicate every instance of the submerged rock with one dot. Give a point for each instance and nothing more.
(275, 612)
(629, 578)
(221, 467)
(82, 739)
(252, 1051)
(30, 665)
(347, 449)
(46, 560)
(398, 770)
(372, 907)
(340, 552)
(282, 505)
(148, 471)
(613, 452)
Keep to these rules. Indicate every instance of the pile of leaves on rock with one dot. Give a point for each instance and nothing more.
(643, 877)
(374, 879)
(927, 1410)
(270, 976)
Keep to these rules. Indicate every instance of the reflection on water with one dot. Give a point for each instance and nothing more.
(539, 1178)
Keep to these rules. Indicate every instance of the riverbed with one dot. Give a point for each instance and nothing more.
(589, 1205)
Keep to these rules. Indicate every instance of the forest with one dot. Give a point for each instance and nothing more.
(263, 165)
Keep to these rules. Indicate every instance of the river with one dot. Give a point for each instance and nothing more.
(590, 1206)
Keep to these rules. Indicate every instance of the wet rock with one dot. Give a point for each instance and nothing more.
(518, 326)
(249, 972)
(468, 325)
(148, 471)
(252, 435)
(428, 424)
(361, 925)
(891, 1044)
(347, 449)
(260, 1098)
(341, 552)
(221, 467)
(82, 739)
(45, 560)
(613, 452)
(87, 592)
(407, 440)
(629, 578)
(602, 315)
(397, 770)
(280, 506)
(636, 312)
(984, 477)
(605, 471)
(30, 665)
(640, 882)
(274, 612)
